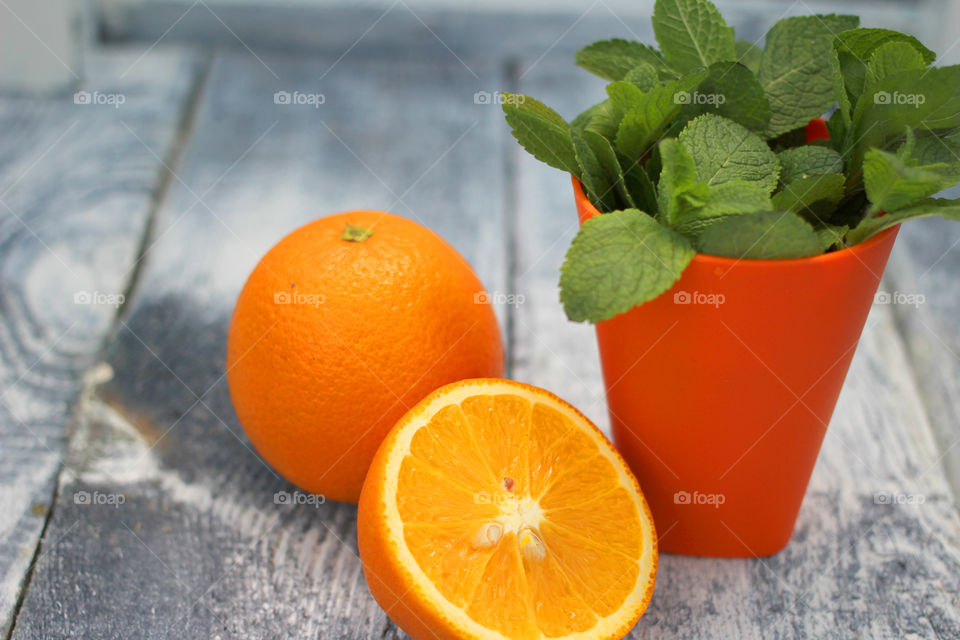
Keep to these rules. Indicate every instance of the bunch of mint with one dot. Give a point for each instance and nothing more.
(701, 147)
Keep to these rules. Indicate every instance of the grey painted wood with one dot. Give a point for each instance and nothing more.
(923, 294)
(198, 547)
(856, 567)
(75, 192)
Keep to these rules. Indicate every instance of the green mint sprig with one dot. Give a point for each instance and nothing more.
(700, 146)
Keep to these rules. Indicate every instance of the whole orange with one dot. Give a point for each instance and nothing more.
(342, 327)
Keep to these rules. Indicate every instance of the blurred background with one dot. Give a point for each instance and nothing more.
(42, 42)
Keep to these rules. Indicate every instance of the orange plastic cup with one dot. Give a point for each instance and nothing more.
(720, 390)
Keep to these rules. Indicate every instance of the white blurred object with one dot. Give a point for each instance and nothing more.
(948, 48)
(41, 44)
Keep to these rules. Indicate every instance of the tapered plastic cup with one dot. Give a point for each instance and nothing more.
(721, 389)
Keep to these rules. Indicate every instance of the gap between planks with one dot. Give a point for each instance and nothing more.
(169, 166)
(511, 227)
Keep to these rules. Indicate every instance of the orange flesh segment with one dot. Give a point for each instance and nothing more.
(518, 518)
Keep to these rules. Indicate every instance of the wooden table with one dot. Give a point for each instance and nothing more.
(133, 504)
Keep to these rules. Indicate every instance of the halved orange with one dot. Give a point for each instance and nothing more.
(495, 510)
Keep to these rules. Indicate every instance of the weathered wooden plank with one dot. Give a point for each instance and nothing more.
(75, 193)
(199, 548)
(856, 566)
(922, 292)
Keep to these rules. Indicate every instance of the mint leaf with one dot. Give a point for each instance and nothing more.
(808, 160)
(615, 174)
(599, 118)
(949, 209)
(730, 90)
(850, 54)
(735, 197)
(795, 69)
(731, 198)
(678, 174)
(891, 58)
(598, 178)
(838, 126)
(613, 59)
(646, 121)
(770, 235)
(861, 43)
(893, 183)
(643, 76)
(619, 260)
(638, 185)
(855, 47)
(931, 147)
(624, 96)
(831, 235)
(724, 150)
(541, 131)
(748, 54)
(815, 196)
(690, 205)
(926, 100)
(691, 34)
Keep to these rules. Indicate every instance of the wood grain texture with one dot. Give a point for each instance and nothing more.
(199, 547)
(76, 187)
(858, 564)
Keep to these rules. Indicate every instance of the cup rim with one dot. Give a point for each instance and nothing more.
(721, 261)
